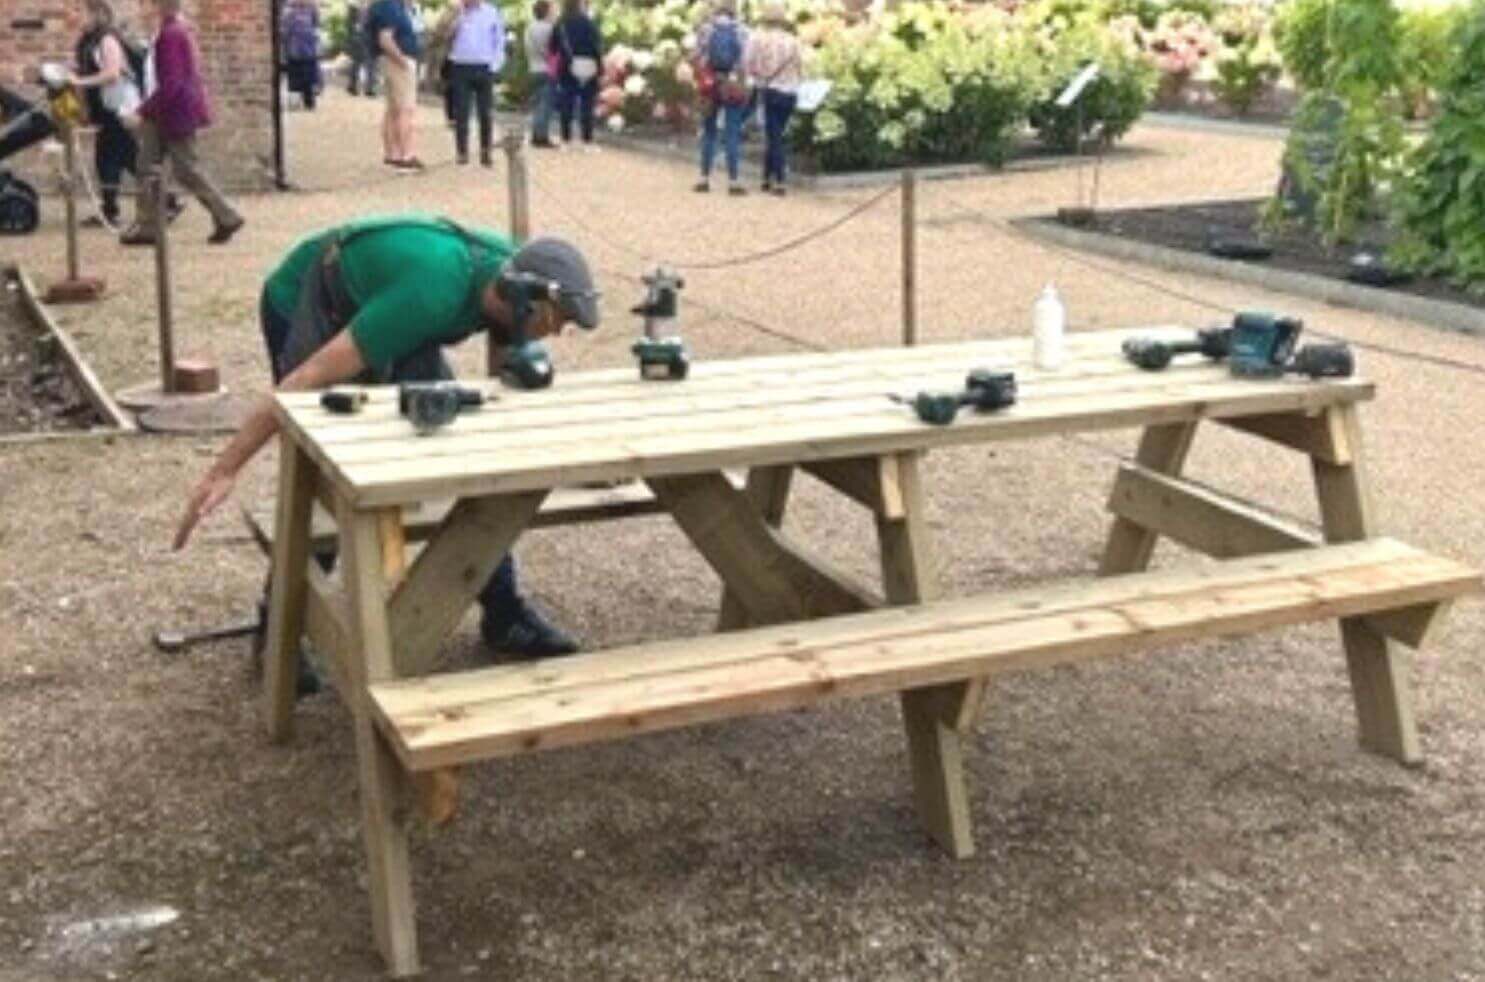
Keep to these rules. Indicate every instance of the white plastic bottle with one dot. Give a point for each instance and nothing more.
(1048, 321)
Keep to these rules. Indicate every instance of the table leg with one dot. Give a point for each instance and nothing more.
(935, 717)
(1163, 448)
(296, 480)
(384, 785)
(768, 489)
(1378, 667)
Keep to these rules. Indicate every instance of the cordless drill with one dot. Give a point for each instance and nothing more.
(984, 389)
(661, 356)
(1153, 354)
(527, 364)
(431, 405)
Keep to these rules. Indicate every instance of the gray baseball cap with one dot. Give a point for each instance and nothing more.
(560, 261)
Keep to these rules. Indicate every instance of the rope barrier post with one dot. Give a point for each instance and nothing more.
(159, 186)
(75, 288)
(513, 142)
(909, 257)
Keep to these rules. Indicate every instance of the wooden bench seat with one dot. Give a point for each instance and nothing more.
(441, 721)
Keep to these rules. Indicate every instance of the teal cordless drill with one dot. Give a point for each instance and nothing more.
(661, 356)
(527, 364)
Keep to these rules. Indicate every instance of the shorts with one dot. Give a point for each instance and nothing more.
(401, 85)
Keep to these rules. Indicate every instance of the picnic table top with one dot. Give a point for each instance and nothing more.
(777, 409)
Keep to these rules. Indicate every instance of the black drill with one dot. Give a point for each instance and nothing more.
(1153, 354)
(430, 405)
(984, 389)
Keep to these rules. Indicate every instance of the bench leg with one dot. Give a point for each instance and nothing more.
(384, 785)
(296, 477)
(935, 717)
(1378, 667)
(1162, 448)
(768, 489)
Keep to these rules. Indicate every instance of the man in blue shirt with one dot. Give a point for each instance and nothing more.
(390, 32)
(476, 54)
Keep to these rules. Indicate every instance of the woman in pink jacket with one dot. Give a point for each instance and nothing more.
(166, 122)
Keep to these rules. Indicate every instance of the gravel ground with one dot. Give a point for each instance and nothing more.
(1201, 813)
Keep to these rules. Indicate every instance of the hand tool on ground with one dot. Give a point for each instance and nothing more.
(984, 389)
(430, 405)
(1154, 354)
(173, 641)
(661, 355)
(343, 401)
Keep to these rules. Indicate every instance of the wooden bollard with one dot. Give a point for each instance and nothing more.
(76, 288)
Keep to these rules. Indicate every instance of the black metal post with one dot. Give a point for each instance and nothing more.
(280, 180)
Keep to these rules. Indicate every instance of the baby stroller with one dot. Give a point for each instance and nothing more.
(22, 124)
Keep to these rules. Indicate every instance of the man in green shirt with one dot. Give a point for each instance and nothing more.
(374, 302)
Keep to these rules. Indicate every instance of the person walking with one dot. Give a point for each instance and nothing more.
(376, 301)
(578, 48)
(355, 49)
(774, 61)
(476, 55)
(166, 124)
(539, 62)
(111, 84)
(722, 87)
(390, 29)
(301, 39)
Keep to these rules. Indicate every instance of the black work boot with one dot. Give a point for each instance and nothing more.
(511, 625)
(521, 631)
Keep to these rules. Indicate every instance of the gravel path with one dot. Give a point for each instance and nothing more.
(1202, 813)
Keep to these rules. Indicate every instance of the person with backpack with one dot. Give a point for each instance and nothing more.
(774, 61)
(112, 67)
(376, 301)
(301, 40)
(722, 87)
(576, 47)
(166, 123)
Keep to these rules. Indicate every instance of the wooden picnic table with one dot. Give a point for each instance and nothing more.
(513, 464)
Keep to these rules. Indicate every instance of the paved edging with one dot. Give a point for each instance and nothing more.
(1436, 313)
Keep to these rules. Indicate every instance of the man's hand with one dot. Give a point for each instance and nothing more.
(210, 492)
(130, 121)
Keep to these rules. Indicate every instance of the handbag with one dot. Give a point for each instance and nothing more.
(582, 67)
(732, 91)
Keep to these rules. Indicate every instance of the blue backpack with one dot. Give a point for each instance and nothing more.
(724, 47)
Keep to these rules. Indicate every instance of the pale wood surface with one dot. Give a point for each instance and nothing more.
(758, 411)
(444, 720)
(296, 479)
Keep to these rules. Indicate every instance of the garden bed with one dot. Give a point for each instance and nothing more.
(45, 389)
(1185, 228)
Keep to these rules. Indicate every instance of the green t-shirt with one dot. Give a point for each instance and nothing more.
(411, 279)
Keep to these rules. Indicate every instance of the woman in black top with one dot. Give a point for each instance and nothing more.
(579, 49)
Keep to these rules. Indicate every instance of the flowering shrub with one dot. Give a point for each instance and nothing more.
(1249, 62)
(1111, 103)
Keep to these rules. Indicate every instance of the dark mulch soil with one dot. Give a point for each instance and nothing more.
(36, 393)
(1186, 227)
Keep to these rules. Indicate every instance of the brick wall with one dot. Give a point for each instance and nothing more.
(236, 57)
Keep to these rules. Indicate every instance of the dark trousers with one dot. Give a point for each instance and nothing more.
(472, 85)
(114, 153)
(777, 108)
(500, 597)
(574, 96)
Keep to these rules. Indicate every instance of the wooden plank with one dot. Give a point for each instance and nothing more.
(1412, 626)
(869, 481)
(394, 545)
(445, 720)
(1378, 669)
(382, 781)
(1163, 448)
(874, 427)
(327, 624)
(1313, 435)
(771, 577)
(768, 490)
(450, 572)
(1201, 518)
(935, 754)
(900, 624)
(286, 604)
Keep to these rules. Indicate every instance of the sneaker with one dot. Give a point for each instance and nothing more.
(96, 221)
(702, 187)
(134, 235)
(486, 160)
(765, 187)
(525, 634)
(778, 191)
(462, 159)
(543, 144)
(737, 190)
(222, 234)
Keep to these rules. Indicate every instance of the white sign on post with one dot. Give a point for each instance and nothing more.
(1076, 86)
(812, 94)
